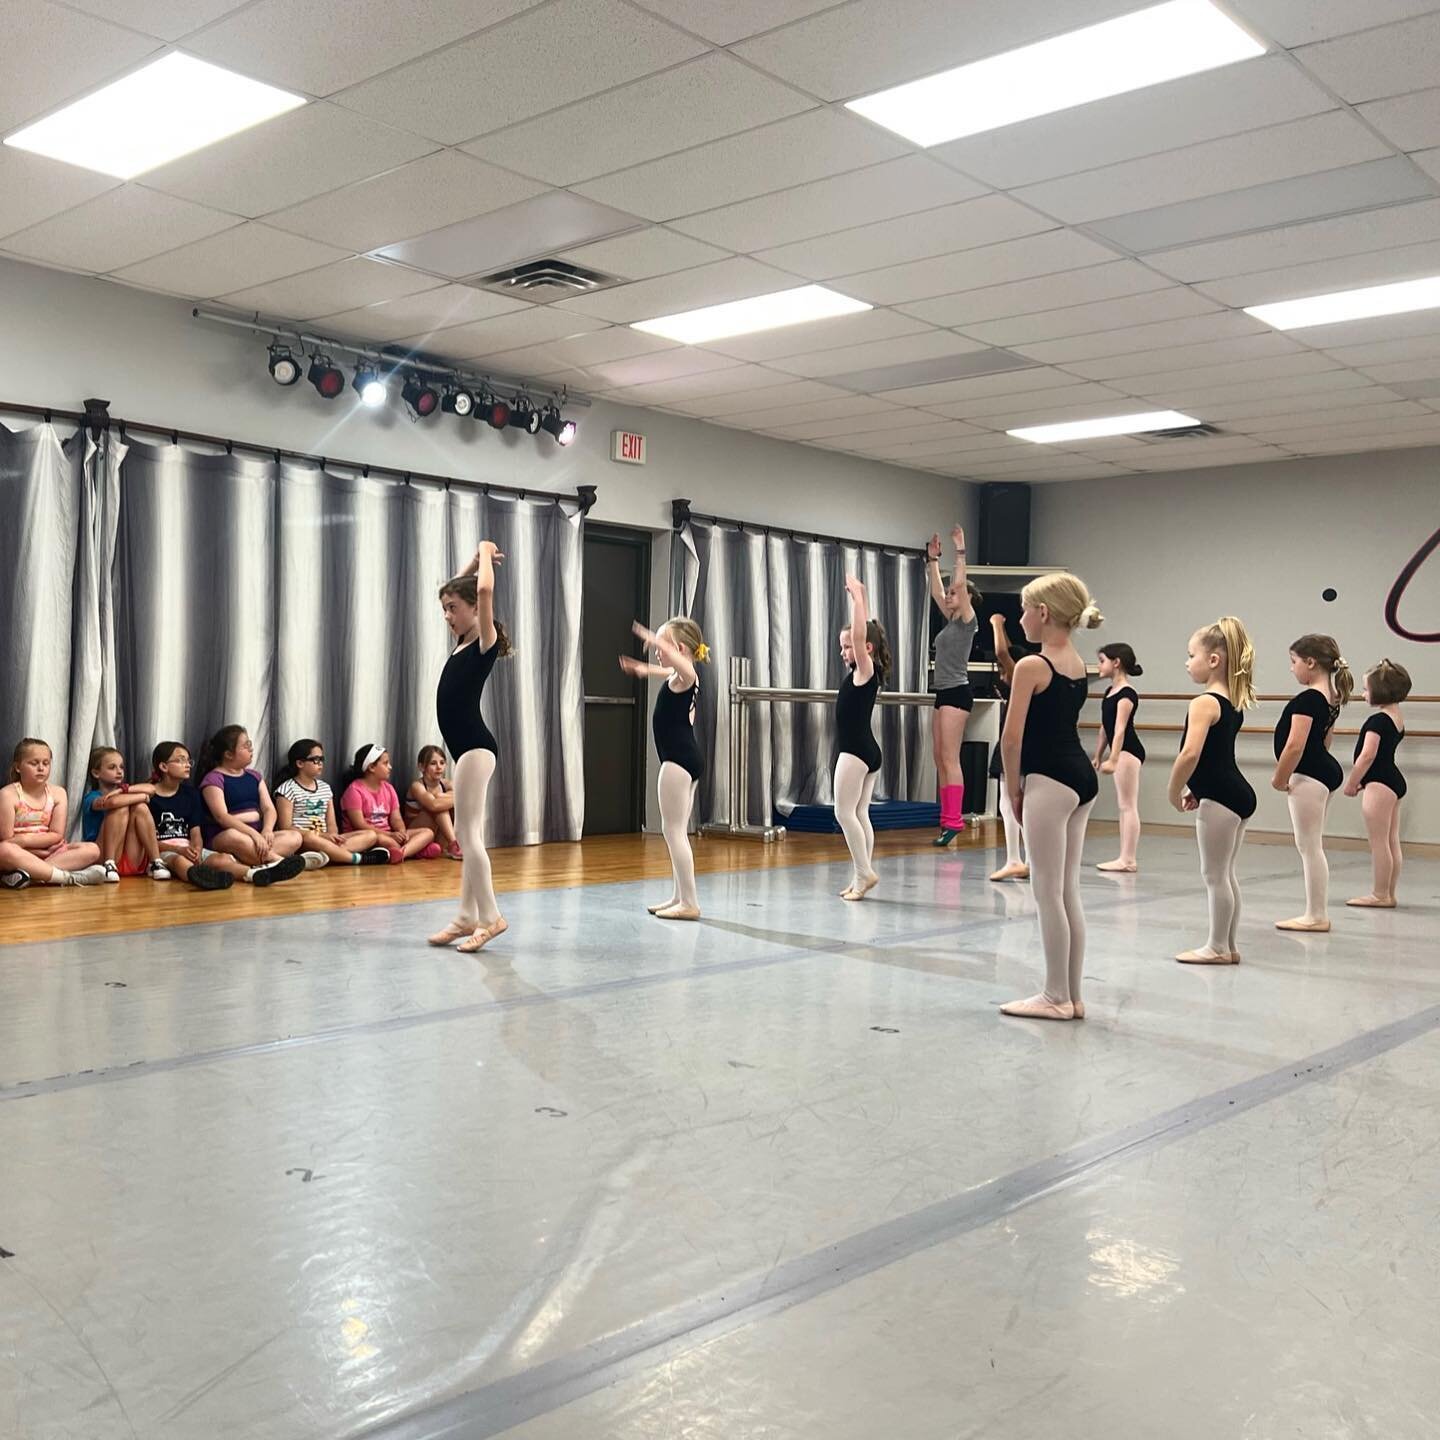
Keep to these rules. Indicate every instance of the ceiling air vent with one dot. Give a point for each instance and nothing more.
(542, 280)
(1182, 432)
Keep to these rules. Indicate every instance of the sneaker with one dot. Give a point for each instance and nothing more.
(431, 852)
(94, 875)
(15, 880)
(203, 877)
(454, 853)
(314, 860)
(278, 870)
(159, 870)
(397, 857)
(376, 855)
(112, 872)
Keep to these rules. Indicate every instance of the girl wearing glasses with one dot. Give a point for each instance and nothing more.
(304, 802)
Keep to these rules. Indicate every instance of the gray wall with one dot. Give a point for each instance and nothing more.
(1167, 553)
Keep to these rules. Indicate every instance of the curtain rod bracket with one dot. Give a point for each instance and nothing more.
(588, 496)
(679, 513)
(97, 417)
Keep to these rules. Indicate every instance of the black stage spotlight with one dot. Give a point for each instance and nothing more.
(457, 400)
(552, 424)
(496, 411)
(421, 397)
(327, 380)
(524, 416)
(369, 386)
(284, 367)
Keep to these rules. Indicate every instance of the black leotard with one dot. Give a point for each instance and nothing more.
(675, 732)
(457, 699)
(1384, 771)
(854, 707)
(1051, 743)
(1108, 706)
(1315, 760)
(1217, 777)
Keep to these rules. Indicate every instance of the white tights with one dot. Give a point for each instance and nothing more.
(677, 796)
(1014, 836)
(1220, 833)
(1308, 802)
(473, 772)
(854, 789)
(1055, 824)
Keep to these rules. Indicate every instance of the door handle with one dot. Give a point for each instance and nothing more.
(610, 700)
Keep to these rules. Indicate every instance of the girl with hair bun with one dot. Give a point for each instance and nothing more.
(1377, 779)
(1305, 770)
(1052, 783)
(679, 647)
(857, 766)
(1119, 666)
(1206, 779)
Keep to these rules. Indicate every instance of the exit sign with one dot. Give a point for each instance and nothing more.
(627, 447)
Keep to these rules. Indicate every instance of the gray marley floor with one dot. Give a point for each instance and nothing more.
(783, 1175)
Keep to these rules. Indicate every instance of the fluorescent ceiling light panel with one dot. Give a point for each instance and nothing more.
(1373, 300)
(156, 114)
(1144, 48)
(1096, 429)
(745, 317)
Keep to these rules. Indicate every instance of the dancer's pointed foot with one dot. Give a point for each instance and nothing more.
(1305, 923)
(483, 936)
(1012, 872)
(455, 930)
(1039, 1007)
(1372, 902)
(678, 912)
(663, 905)
(1207, 956)
(858, 891)
(1119, 867)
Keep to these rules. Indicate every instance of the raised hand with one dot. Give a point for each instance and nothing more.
(855, 587)
(932, 547)
(957, 538)
(631, 666)
(489, 547)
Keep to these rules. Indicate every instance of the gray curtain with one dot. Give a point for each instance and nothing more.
(155, 592)
(780, 600)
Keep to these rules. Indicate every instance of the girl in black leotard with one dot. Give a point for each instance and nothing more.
(469, 605)
(1014, 867)
(857, 766)
(1206, 779)
(1051, 782)
(1378, 778)
(1305, 770)
(1118, 709)
(679, 647)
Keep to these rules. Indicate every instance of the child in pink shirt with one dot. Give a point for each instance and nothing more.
(369, 802)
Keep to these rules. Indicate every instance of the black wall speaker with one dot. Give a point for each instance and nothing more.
(1004, 525)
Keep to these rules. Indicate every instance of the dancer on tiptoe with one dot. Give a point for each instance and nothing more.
(954, 700)
(866, 654)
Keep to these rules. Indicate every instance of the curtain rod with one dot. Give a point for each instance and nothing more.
(682, 514)
(97, 417)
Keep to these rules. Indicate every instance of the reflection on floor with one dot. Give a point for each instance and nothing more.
(784, 1173)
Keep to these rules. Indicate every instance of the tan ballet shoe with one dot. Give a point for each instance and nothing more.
(1371, 902)
(678, 912)
(1305, 924)
(1117, 867)
(1038, 1007)
(480, 938)
(663, 905)
(1012, 872)
(1079, 1007)
(1207, 957)
(455, 930)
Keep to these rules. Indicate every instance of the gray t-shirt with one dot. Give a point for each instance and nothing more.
(952, 653)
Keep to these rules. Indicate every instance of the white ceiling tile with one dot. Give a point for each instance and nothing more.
(1386, 61)
(34, 187)
(1265, 91)
(1383, 352)
(1425, 368)
(734, 279)
(735, 19)
(534, 326)
(1047, 253)
(1187, 357)
(1400, 425)
(1045, 292)
(1357, 444)
(410, 200)
(244, 255)
(644, 254)
(745, 379)
(116, 229)
(1429, 162)
(876, 353)
(1092, 345)
(1299, 22)
(322, 47)
(342, 286)
(1039, 407)
(286, 160)
(1178, 381)
(981, 387)
(704, 100)
(1129, 310)
(536, 62)
(925, 433)
(774, 157)
(829, 334)
(51, 54)
(166, 19)
(584, 352)
(1405, 262)
(841, 407)
(1320, 142)
(794, 395)
(988, 444)
(1369, 332)
(1240, 413)
(892, 188)
(662, 365)
(855, 423)
(410, 316)
(1223, 393)
(1302, 420)
(965, 226)
(1411, 121)
(1301, 244)
(871, 44)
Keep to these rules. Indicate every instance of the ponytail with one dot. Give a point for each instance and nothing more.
(876, 639)
(1324, 651)
(1228, 637)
